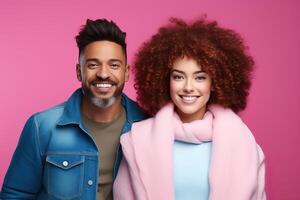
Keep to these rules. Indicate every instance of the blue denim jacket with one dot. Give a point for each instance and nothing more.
(56, 158)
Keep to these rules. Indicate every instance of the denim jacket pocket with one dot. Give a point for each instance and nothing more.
(64, 175)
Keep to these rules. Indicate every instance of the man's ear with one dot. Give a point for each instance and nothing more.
(127, 72)
(78, 72)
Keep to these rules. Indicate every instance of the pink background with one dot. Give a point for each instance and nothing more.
(38, 56)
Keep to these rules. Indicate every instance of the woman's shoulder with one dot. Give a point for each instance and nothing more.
(142, 124)
(139, 127)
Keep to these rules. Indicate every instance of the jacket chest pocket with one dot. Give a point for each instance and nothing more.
(64, 175)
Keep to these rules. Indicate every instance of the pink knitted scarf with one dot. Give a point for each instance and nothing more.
(146, 172)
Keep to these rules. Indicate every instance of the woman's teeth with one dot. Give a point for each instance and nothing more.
(189, 98)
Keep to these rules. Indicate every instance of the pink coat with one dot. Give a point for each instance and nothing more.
(236, 172)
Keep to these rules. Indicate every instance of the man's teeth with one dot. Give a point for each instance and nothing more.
(103, 85)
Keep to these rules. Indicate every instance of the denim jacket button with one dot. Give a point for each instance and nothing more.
(65, 163)
(90, 182)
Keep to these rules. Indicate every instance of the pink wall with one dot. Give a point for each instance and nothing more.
(38, 57)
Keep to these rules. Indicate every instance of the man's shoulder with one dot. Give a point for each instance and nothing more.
(41, 124)
(57, 111)
(127, 101)
(133, 110)
(51, 114)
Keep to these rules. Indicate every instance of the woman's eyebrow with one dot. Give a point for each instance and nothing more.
(178, 71)
(198, 72)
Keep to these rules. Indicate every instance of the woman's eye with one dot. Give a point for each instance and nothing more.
(200, 78)
(177, 77)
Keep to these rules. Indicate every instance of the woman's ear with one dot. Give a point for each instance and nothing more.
(212, 87)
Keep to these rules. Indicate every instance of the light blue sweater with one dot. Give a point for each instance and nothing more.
(191, 165)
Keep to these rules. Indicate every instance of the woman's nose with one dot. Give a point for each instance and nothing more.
(188, 86)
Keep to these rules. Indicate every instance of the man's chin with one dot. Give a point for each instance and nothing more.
(103, 102)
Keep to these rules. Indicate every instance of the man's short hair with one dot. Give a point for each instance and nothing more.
(99, 30)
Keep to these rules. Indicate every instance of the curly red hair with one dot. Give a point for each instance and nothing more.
(220, 52)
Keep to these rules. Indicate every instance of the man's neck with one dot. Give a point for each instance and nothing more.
(97, 114)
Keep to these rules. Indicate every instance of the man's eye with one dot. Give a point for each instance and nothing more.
(92, 65)
(115, 65)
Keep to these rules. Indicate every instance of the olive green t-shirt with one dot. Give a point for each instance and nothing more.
(107, 138)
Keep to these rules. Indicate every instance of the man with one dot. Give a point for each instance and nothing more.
(71, 151)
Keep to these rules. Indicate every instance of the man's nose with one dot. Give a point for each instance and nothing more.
(103, 72)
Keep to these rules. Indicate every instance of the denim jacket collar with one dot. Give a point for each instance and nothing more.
(72, 113)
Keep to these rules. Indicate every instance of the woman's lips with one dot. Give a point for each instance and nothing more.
(188, 98)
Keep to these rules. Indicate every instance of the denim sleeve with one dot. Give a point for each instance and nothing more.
(23, 179)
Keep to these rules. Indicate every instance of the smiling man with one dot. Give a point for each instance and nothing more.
(71, 151)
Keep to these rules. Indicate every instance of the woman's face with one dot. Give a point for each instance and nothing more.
(190, 89)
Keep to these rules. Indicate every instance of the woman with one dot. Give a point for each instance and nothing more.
(192, 78)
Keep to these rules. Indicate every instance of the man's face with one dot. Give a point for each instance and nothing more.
(102, 72)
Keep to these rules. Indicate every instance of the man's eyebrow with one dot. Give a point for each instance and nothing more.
(92, 59)
(115, 60)
(98, 61)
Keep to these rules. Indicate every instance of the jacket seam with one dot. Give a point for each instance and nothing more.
(37, 138)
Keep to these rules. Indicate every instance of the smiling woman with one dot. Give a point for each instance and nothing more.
(192, 78)
(189, 89)
(220, 52)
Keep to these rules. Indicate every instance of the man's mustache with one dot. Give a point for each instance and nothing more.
(104, 80)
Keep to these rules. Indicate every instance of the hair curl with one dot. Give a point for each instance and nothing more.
(220, 52)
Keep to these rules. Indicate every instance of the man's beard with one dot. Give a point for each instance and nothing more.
(102, 102)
